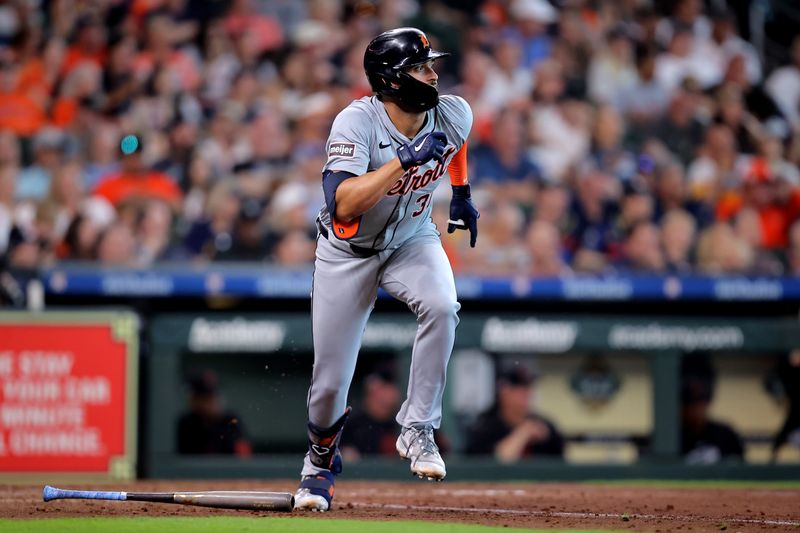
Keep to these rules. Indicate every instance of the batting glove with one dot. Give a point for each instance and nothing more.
(463, 213)
(430, 146)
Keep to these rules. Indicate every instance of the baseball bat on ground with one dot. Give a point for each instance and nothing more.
(224, 499)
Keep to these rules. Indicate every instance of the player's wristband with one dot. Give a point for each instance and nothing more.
(462, 192)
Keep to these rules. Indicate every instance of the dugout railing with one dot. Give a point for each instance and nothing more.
(264, 364)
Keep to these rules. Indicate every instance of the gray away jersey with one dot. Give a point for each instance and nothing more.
(362, 139)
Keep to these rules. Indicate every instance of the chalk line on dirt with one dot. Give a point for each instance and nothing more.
(565, 514)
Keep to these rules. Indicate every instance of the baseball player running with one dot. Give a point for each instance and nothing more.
(386, 155)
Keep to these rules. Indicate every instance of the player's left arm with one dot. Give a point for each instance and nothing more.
(463, 213)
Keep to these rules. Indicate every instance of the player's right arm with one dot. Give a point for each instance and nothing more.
(355, 195)
(350, 190)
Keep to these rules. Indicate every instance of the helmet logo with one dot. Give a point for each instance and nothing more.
(425, 42)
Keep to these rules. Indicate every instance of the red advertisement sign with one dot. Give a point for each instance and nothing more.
(64, 398)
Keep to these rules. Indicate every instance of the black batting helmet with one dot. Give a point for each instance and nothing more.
(387, 58)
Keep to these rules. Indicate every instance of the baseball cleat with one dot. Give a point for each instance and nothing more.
(315, 493)
(417, 445)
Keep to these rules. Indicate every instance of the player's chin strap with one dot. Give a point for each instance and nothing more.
(323, 444)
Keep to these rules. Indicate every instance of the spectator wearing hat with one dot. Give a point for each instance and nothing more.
(33, 182)
(510, 430)
(777, 203)
(531, 18)
(209, 428)
(703, 440)
(136, 184)
(250, 239)
(646, 99)
(612, 72)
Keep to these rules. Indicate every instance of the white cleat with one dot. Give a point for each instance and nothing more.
(417, 445)
(305, 501)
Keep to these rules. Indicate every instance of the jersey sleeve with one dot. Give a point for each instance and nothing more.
(348, 145)
(459, 114)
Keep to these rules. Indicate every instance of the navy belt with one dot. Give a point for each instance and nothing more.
(360, 251)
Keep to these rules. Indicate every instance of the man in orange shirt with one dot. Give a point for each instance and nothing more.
(776, 202)
(135, 183)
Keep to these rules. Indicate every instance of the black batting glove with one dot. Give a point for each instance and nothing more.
(430, 146)
(463, 213)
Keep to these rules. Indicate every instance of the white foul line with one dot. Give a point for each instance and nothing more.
(564, 514)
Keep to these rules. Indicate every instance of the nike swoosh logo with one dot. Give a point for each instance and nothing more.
(320, 450)
(382, 146)
(417, 147)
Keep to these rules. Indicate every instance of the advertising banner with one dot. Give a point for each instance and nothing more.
(68, 393)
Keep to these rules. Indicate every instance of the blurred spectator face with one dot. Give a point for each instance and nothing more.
(646, 66)
(636, 208)
(156, 222)
(92, 35)
(199, 172)
(552, 204)
(103, 147)
(223, 206)
(571, 28)
(53, 54)
(720, 141)
(608, 128)
(381, 397)
(48, 145)
(747, 226)
(474, 67)
(117, 246)
(508, 55)
(549, 82)
(761, 192)
(544, 244)
(132, 163)
(24, 255)
(593, 188)
(66, 188)
(508, 132)
(736, 71)
(720, 251)
(620, 47)
(295, 249)
(681, 44)
(643, 248)
(671, 185)
(81, 238)
(677, 235)
(270, 137)
(121, 55)
(514, 399)
(687, 11)
(159, 33)
(731, 106)
(722, 28)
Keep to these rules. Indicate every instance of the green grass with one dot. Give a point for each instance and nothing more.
(225, 524)
(699, 483)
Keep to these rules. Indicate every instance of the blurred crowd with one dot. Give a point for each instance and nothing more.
(616, 136)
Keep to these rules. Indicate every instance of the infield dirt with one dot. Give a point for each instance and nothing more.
(534, 505)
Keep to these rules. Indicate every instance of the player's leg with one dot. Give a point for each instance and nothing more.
(344, 290)
(420, 275)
